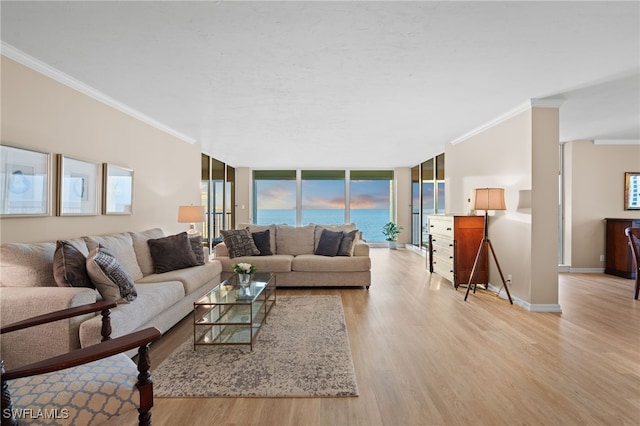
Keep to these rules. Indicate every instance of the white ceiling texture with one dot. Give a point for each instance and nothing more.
(358, 84)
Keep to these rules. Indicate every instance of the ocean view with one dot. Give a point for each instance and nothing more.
(369, 221)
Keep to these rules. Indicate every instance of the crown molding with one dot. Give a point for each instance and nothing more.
(57, 75)
(531, 103)
(616, 141)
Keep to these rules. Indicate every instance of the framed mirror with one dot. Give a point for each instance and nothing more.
(632, 191)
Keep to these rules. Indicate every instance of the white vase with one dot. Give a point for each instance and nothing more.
(393, 245)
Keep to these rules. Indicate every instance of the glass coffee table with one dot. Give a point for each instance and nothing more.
(232, 314)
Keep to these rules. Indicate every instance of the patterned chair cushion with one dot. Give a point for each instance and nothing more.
(88, 394)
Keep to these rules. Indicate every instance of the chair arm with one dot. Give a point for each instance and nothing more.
(58, 315)
(85, 355)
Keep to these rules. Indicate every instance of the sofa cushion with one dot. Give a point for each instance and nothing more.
(121, 245)
(191, 278)
(141, 248)
(239, 243)
(275, 263)
(315, 263)
(348, 243)
(262, 240)
(70, 266)
(295, 240)
(109, 277)
(153, 300)
(171, 253)
(27, 265)
(329, 243)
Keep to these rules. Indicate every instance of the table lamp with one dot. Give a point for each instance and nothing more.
(191, 215)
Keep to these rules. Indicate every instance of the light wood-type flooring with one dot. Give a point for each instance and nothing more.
(423, 356)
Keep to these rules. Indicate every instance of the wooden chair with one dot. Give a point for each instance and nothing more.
(96, 384)
(633, 234)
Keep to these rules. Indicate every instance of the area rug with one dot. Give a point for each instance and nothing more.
(302, 351)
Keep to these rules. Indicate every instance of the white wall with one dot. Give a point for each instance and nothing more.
(42, 114)
(519, 154)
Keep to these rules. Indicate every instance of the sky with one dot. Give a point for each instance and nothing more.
(323, 194)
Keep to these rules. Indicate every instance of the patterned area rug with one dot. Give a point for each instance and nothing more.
(302, 351)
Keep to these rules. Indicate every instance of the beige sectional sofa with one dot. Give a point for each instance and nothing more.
(28, 288)
(293, 260)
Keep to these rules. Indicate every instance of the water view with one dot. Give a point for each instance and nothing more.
(368, 221)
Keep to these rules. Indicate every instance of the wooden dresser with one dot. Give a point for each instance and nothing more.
(618, 254)
(454, 244)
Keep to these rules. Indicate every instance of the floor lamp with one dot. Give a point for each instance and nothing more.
(487, 199)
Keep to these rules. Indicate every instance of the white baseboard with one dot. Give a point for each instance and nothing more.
(531, 307)
(586, 270)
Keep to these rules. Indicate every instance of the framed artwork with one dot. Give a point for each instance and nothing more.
(24, 182)
(632, 191)
(117, 190)
(77, 187)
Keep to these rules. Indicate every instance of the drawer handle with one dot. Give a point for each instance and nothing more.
(450, 245)
(450, 257)
(434, 250)
(434, 240)
(431, 226)
(448, 229)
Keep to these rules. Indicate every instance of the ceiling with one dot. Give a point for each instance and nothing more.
(310, 84)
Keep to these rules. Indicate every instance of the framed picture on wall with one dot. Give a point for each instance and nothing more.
(117, 190)
(24, 182)
(77, 187)
(632, 191)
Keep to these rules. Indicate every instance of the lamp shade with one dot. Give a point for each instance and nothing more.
(489, 199)
(190, 214)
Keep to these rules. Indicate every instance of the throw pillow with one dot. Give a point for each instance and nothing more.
(348, 243)
(109, 277)
(171, 253)
(70, 266)
(263, 242)
(329, 243)
(198, 250)
(239, 243)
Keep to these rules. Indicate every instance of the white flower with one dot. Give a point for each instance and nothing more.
(246, 267)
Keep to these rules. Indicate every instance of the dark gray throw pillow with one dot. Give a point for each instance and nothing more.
(239, 243)
(348, 243)
(70, 266)
(171, 253)
(198, 250)
(262, 240)
(329, 243)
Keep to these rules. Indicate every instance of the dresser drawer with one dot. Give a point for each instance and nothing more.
(443, 268)
(441, 226)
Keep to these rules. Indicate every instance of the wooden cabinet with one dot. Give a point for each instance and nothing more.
(618, 255)
(455, 241)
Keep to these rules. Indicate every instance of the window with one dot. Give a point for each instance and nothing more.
(363, 197)
(370, 197)
(323, 197)
(274, 193)
(427, 197)
(217, 197)
(440, 184)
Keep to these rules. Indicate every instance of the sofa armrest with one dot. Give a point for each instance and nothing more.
(220, 250)
(361, 249)
(27, 346)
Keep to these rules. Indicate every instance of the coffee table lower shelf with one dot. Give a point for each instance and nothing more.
(221, 317)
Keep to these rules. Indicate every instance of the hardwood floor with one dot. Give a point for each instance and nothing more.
(423, 356)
